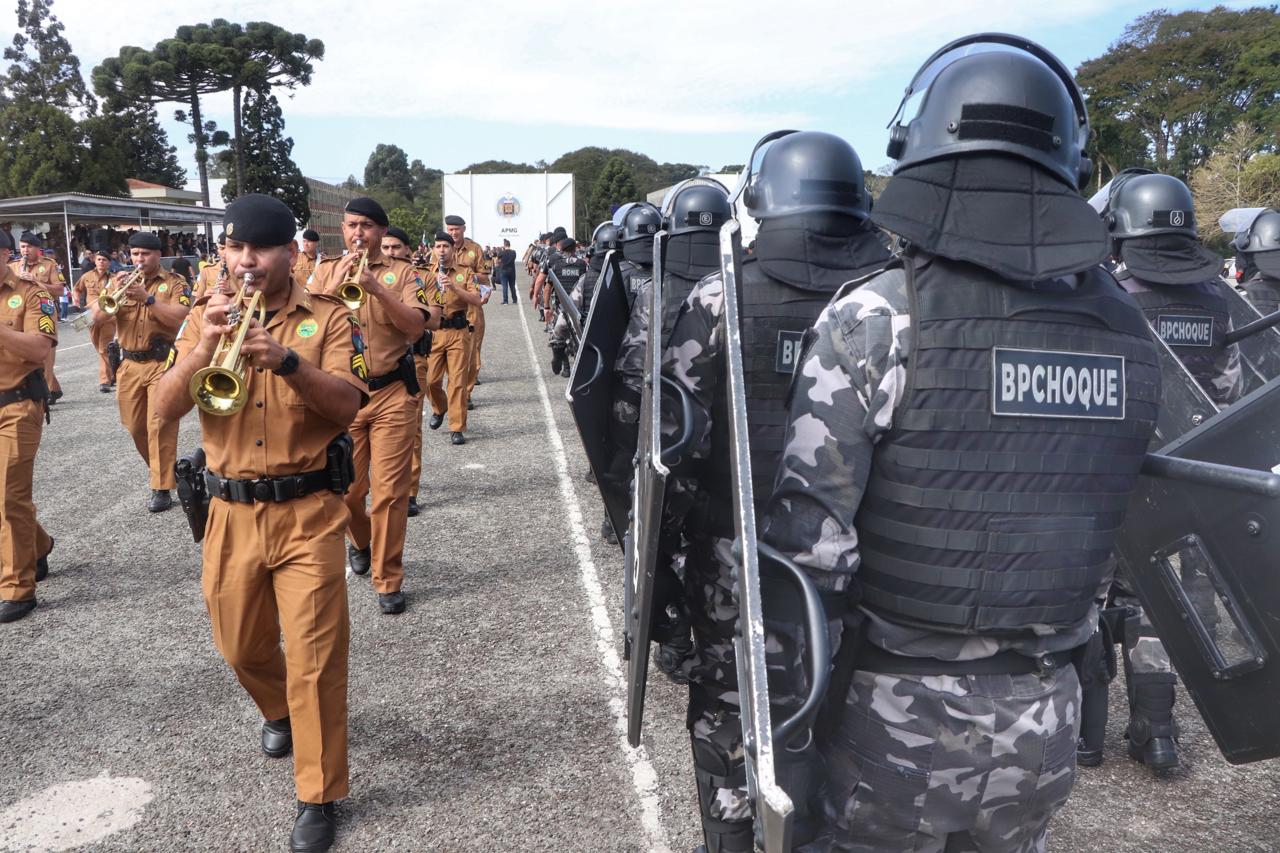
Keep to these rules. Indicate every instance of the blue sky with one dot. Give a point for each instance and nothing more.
(696, 82)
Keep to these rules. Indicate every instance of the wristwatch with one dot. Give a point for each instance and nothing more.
(151, 300)
(288, 364)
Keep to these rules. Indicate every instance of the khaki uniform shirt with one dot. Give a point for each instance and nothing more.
(384, 341)
(469, 258)
(303, 267)
(90, 286)
(136, 325)
(276, 434)
(24, 307)
(45, 273)
(451, 301)
(206, 280)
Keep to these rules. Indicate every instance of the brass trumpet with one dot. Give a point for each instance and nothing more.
(222, 388)
(350, 291)
(112, 301)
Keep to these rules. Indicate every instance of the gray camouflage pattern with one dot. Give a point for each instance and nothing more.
(560, 332)
(629, 365)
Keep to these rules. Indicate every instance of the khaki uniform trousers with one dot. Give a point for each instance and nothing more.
(383, 438)
(451, 350)
(477, 340)
(100, 336)
(420, 364)
(273, 568)
(156, 440)
(22, 539)
(49, 375)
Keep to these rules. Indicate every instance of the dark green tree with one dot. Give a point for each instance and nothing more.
(44, 70)
(268, 168)
(140, 142)
(616, 185)
(499, 167)
(388, 170)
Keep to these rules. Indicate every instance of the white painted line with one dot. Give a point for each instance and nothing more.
(72, 814)
(643, 775)
(77, 346)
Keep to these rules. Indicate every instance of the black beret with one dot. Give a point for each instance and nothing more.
(102, 253)
(560, 232)
(454, 220)
(32, 239)
(444, 235)
(367, 207)
(311, 235)
(144, 240)
(259, 220)
(399, 234)
(568, 244)
(222, 238)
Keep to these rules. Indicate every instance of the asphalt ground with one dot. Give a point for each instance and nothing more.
(487, 717)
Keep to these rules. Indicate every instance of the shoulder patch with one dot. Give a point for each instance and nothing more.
(1049, 384)
(359, 366)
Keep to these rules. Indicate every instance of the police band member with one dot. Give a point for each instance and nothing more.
(147, 322)
(213, 278)
(27, 335)
(965, 432)
(469, 256)
(273, 559)
(397, 244)
(395, 313)
(1258, 249)
(88, 288)
(570, 269)
(812, 239)
(35, 268)
(308, 257)
(450, 347)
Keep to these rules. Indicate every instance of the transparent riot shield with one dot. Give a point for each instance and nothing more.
(774, 810)
(1201, 542)
(1259, 344)
(590, 388)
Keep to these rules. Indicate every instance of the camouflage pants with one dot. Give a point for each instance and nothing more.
(714, 720)
(1143, 650)
(948, 763)
(560, 331)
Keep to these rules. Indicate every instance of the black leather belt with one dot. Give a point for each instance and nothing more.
(25, 391)
(872, 658)
(377, 383)
(267, 489)
(455, 321)
(159, 352)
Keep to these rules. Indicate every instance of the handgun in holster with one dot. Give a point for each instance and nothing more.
(193, 494)
(341, 465)
(409, 373)
(114, 355)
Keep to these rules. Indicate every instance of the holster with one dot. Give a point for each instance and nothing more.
(422, 346)
(114, 355)
(341, 463)
(192, 492)
(409, 371)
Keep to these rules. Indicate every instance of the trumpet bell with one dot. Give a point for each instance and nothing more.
(218, 390)
(82, 321)
(108, 304)
(352, 295)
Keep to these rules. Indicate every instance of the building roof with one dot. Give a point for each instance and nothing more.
(105, 210)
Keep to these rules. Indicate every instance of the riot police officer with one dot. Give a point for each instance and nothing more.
(1258, 248)
(568, 268)
(603, 239)
(812, 205)
(965, 431)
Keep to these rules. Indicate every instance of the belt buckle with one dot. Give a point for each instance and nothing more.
(1045, 665)
(262, 490)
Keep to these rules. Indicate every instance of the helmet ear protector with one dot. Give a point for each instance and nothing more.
(750, 197)
(898, 132)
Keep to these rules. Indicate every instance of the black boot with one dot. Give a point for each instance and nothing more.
(12, 611)
(713, 769)
(277, 738)
(314, 829)
(42, 563)
(557, 358)
(361, 559)
(161, 500)
(1152, 733)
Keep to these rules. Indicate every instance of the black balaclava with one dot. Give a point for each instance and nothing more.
(818, 251)
(639, 251)
(692, 255)
(1176, 259)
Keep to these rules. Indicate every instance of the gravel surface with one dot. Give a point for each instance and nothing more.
(484, 718)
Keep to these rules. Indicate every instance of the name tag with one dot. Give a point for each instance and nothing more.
(1048, 384)
(789, 346)
(1185, 330)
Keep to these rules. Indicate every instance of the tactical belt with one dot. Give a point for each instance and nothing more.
(456, 320)
(377, 383)
(32, 388)
(872, 658)
(267, 489)
(159, 352)
(406, 371)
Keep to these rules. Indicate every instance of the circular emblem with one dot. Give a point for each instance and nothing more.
(40, 269)
(389, 278)
(231, 226)
(508, 206)
(307, 328)
(470, 254)
(164, 288)
(15, 301)
(459, 278)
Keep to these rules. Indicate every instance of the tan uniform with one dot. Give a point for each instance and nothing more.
(280, 568)
(382, 430)
(303, 267)
(87, 290)
(26, 308)
(206, 280)
(451, 351)
(46, 275)
(469, 257)
(420, 363)
(141, 334)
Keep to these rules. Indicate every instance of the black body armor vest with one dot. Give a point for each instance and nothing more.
(993, 503)
(1192, 319)
(568, 269)
(633, 278)
(1264, 293)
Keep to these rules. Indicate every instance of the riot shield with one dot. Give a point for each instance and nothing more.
(1199, 541)
(773, 808)
(1183, 403)
(1259, 351)
(590, 388)
(567, 306)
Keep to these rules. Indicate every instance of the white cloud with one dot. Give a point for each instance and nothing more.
(693, 67)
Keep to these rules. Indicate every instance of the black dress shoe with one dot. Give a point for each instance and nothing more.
(477, 380)
(435, 421)
(361, 559)
(160, 500)
(277, 738)
(105, 387)
(470, 406)
(391, 602)
(413, 507)
(42, 563)
(12, 611)
(458, 438)
(314, 828)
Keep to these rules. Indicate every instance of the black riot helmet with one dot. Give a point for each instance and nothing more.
(1146, 204)
(605, 237)
(804, 172)
(1262, 235)
(640, 220)
(995, 93)
(698, 204)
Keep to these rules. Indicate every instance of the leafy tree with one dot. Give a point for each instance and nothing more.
(731, 169)
(500, 167)
(416, 221)
(1237, 175)
(388, 170)
(44, 70)
(616, 185)
(140, 142)
(352, 184)
(1181, 81)
(269, 168)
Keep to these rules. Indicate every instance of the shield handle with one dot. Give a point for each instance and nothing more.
(818, 644)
